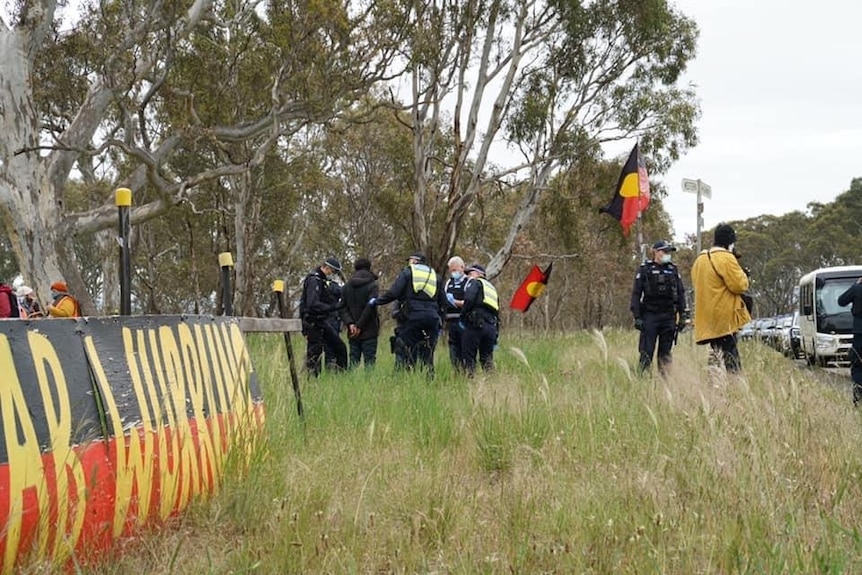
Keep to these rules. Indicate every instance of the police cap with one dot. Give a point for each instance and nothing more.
(418, 256)
(475, 268)
(663, 246)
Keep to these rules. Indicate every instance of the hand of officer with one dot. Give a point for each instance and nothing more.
(680, 327)
(639, 324)
(372, 302)
(451, 299)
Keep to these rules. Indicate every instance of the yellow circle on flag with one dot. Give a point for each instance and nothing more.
(535, 289)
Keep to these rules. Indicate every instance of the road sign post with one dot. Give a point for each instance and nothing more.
(702, 190)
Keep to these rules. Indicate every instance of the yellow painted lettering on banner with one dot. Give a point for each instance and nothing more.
(185, 460)
(212, 407)
(197, 395)
(66, 463)
(169, 463)
(228, 372)
(25, 459)
(244, 370)
(219, 382)
(134, 456)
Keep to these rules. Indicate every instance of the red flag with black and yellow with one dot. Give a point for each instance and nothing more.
(632, 195)
(531, 288)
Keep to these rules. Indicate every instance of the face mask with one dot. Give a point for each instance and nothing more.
(665, 258)
(731, 247)
(54, 294)
(456, 275)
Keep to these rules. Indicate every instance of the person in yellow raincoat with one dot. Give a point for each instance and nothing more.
(719, 310)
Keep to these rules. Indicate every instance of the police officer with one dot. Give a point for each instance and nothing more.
(420, 292)
(330, 354)
(658, 306)
(454, 289)
(480, 316)
(853, 295)
(315, 307)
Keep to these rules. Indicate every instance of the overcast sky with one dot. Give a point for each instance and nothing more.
(780, 86)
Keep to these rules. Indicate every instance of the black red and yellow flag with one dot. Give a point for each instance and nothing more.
(531, 288)
(632, 196)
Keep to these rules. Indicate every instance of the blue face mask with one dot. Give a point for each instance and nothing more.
(456, 275)
(665, 258)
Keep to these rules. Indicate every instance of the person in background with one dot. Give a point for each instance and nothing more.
(420, 291)
(331, 354)
(853, 296)
(363, 323)
(8, 302)
(315, 306)
(454, 289)
(719, 309)
(63, 304)
(480, 316)
(27, 303)
(658, 306)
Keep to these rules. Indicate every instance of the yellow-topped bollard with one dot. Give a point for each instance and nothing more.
(123, 197)
(278, 286)
(225, 260)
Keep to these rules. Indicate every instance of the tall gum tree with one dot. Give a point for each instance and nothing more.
(549, 81)
(122, 78)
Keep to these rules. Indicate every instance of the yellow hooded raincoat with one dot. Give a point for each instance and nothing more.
(718, 307)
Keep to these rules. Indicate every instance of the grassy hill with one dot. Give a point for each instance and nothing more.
(563, 461)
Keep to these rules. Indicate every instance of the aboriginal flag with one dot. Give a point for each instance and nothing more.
(531, 288)
(632, 196)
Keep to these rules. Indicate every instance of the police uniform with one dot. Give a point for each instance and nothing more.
(853, 297)
(453, 315)
(315, 307)
(480, 317)
(330, 354)
(658, 306)
(420, 293)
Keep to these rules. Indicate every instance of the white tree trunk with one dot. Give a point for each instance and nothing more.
(27, 202)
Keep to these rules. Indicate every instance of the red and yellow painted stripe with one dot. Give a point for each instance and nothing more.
(110, 424)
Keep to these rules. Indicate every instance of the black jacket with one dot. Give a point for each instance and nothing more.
(474, 302)
(853, 295)
(317, 301)
(415, 305)
(657, 289)
(355, 294)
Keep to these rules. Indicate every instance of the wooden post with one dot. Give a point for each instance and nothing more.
(278, 290)
(123, 201)
(225, 261)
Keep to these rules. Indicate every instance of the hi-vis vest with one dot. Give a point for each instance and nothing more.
(490, 299)
(424, 280)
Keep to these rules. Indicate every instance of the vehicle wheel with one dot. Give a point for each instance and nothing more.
(822, 361)
(810, 359)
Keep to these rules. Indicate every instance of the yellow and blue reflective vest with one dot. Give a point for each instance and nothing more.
(424, 280)
(490, 298)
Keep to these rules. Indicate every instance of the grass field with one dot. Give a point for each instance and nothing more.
(564, 461)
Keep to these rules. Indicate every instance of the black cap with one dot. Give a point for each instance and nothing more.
(333, 263)
(663, 246)
(475, 268)
(418, 256)
(724, 235)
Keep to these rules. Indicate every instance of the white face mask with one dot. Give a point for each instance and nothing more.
(730, 247)
(665, 258)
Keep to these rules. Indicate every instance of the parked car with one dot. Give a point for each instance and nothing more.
(764, 329)
(747, 331)
(781, 334)
(796, 350)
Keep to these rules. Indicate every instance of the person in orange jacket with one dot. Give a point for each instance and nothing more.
(63, 303)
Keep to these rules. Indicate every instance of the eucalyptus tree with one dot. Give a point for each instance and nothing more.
(528, 88)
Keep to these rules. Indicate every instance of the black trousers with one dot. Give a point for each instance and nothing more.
(419, 338)
(658, 328)
(724, 349)
(366, 348)
(455, 332)
(318, 336)
(479, 340)
(856, 367)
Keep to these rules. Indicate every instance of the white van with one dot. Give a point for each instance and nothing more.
(826, 329)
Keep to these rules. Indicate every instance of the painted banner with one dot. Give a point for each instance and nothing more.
(111, 423)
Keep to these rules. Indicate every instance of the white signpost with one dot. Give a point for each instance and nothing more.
(703, 191)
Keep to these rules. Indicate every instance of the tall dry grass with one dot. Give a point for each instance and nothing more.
(562, 461)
